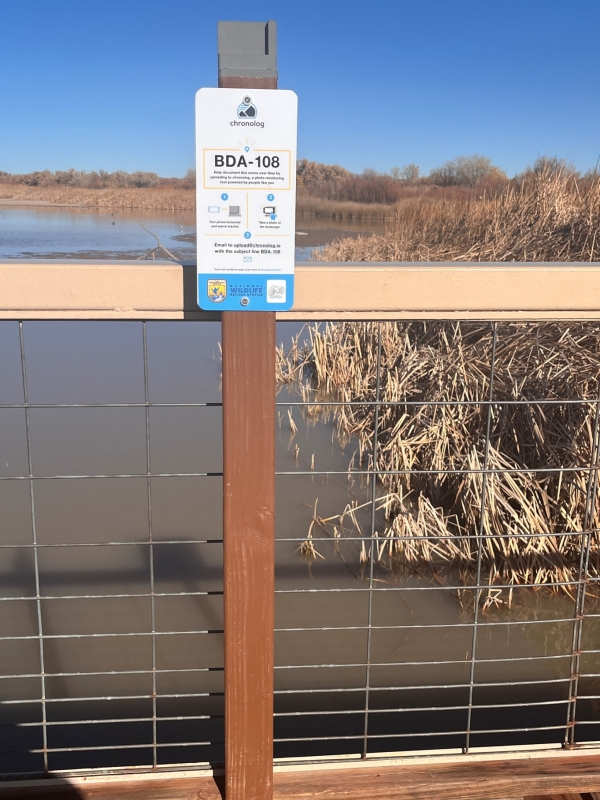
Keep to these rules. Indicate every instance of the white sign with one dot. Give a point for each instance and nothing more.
(246, 198)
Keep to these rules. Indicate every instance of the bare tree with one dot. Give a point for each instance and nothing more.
(313, 172)
(410, 173)
(471, 170)
(464, 171)
(553, 165)
(444, 175)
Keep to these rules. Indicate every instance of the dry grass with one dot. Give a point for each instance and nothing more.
(338, 210)
(431, 509)
(418, 201)
(149, 199)
(547, 217)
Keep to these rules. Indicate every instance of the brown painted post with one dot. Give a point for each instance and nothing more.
(249, 495)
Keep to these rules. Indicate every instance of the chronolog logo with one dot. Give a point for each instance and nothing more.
(247, 114)
(247, 109)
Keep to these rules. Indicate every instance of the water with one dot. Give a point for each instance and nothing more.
(81, 233)
(38, 232)
(314, 232)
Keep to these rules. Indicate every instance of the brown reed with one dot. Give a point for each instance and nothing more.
(545, 217)
(434, 500)
(346, 210)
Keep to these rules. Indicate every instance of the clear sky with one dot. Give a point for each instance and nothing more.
(110, 84)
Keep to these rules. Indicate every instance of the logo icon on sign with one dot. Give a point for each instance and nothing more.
(216, 290)
(276, 291)
(247, 109)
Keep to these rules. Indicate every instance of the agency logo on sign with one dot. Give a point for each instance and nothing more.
(216, 290)
(247, 109)
(276, 291)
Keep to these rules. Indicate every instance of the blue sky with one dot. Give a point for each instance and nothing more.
(110, 84)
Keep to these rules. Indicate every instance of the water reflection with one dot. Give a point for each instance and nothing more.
(91, 233)
(98, 233)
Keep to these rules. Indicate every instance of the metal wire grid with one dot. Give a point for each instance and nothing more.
(528, 723)
(141, 750)
(312, 707)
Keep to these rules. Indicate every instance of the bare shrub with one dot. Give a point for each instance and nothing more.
(465, 171)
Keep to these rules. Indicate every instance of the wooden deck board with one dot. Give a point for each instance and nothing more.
(494, 780)
(570, 796)
(549, 778)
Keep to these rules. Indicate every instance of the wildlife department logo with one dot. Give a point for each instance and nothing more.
(216, 290)
(247, 109)
(276, 291)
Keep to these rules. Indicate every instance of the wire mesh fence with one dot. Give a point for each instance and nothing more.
(468, 539)
(437, 559)
(111, 547)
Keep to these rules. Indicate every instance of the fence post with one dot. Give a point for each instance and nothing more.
(247, 60)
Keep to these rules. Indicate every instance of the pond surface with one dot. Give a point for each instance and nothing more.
(59, 232)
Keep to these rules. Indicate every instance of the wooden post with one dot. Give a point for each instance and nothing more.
(249, 502)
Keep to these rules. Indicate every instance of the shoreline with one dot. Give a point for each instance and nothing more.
(11, 202)
(180, 200)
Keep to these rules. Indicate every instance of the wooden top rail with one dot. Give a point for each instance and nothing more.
(62, 289)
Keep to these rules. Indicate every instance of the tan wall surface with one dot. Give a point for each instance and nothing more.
(98, 290)
(165, 290)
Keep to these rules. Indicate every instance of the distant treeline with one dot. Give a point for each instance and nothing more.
(320, 181)
(101, 179)
(464, 175)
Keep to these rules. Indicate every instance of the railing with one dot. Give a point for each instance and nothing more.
(111, 549)
(112, 579)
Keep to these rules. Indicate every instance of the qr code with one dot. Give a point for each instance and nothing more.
(276, 291)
